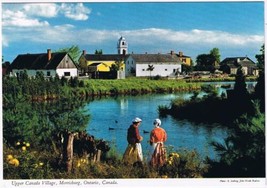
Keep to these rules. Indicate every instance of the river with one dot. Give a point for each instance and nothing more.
(111, 117)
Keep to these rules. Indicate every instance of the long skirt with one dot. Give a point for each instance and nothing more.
(159, 155)
(133, 153)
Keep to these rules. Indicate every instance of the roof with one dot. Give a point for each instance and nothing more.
(94, 64)
(236, 61)
(37, 61)
(155, 58)
(104, 57)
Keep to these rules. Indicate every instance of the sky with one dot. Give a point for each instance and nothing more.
(194, 28)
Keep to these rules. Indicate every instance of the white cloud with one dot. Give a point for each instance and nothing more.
(152, 36)
(20, 19)
(75, 11)
(32, 14)
(41, 9)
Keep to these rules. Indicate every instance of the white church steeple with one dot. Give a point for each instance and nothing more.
(122, 46)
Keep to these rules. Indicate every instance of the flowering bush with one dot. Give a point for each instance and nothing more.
(185, 164)
(23, 163)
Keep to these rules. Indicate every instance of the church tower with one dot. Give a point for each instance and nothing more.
(122, 46)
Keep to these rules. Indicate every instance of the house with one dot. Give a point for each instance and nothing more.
(230, 65)
(91, 63)
(50, 64)
(183, 58)
(142, 65)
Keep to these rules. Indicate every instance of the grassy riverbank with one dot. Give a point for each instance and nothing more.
(135, 86)
(24, 161)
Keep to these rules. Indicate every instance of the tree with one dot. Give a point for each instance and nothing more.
(259, 93)
(74, 52)
(98, 52)
(216, 54)
(260, 58)
(117, 66)
(241, 100)
(150, 69)
(243, 151)
(187, 68)
(207, 62)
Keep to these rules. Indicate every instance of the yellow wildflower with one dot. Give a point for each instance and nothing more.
(23, 148)
(9, 157)
(164, 176)
(78, 164)
(14, 162)
(28, 145)
(18, 143)
(41, 164)
(170, 162)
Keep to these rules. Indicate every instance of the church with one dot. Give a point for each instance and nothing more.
(129, 65)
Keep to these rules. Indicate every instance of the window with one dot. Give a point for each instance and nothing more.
(143, 69)
(174, 70)
(48, 73)
(66, 73)
(166, 69)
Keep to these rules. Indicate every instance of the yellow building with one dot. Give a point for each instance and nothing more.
(185, 59)
(101, 62)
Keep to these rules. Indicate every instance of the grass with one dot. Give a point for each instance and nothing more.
(137, 86)
(35, 164)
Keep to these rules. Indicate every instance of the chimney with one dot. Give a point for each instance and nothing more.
(172, 52)
(49, 54)
(84, 52)
(180, 54)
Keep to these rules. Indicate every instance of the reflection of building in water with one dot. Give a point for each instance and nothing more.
(123, 105)
(251, 86)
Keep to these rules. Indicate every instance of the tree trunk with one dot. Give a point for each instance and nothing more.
(68, 151)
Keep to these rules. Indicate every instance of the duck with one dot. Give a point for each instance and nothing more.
(110, 128)
(144, 131)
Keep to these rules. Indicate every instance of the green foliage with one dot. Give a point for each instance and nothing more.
(260, 57)
(243, 153)
(259, 93)
(207, 62)
(98, 52)
(183, 164)
(28, 116)
(215, 52)
(74, 52)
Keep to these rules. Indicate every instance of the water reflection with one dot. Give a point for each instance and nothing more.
(111, 117)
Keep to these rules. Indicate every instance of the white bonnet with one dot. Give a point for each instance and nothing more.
(157, 122)
(136, 120)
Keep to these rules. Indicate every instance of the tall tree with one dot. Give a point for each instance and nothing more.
(215, 52)
(207, 62)
(74, 52)
(242, 100)
(243, 151)
(260, 58)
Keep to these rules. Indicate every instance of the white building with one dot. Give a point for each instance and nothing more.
(145, 65)
(122, 46)
(48, 63)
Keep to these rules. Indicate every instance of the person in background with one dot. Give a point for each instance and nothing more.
(157, 138)
(133, 153)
